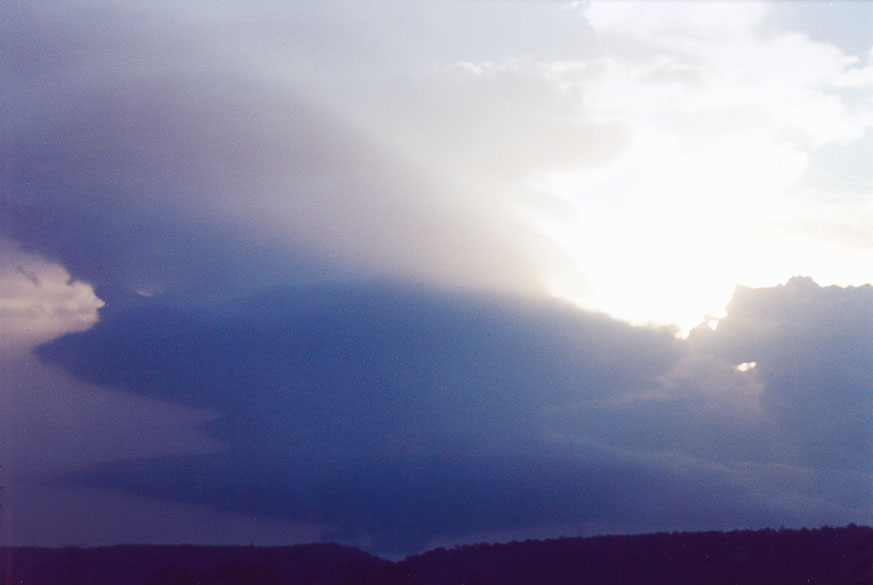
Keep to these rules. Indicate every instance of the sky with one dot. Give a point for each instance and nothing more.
(403, 275)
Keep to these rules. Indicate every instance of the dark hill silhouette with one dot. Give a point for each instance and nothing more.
(826, 556)
(188, 565)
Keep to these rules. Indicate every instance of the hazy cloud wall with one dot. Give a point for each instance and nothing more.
(155, 150)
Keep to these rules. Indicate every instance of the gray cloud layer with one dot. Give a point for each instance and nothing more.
(407, 415)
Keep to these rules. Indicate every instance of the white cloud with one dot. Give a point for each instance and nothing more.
(726, 118)
(672, 21)
(38, 300)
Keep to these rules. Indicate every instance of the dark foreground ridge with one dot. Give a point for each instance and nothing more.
(826, 556)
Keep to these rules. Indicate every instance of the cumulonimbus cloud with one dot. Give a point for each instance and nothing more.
(163, 153)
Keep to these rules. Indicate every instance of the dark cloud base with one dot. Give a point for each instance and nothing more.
(404, 414)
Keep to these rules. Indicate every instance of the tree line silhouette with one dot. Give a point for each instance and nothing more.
(825, 556)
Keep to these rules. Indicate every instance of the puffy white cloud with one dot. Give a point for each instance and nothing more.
(38, 300)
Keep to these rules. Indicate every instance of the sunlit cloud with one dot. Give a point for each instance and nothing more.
(724, 133)
(38, 300)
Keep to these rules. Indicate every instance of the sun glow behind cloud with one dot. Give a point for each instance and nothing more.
(714, 188)
(664, 155)
(668, 232)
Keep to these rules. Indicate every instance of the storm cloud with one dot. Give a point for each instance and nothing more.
(408, 415)
(330, 239)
